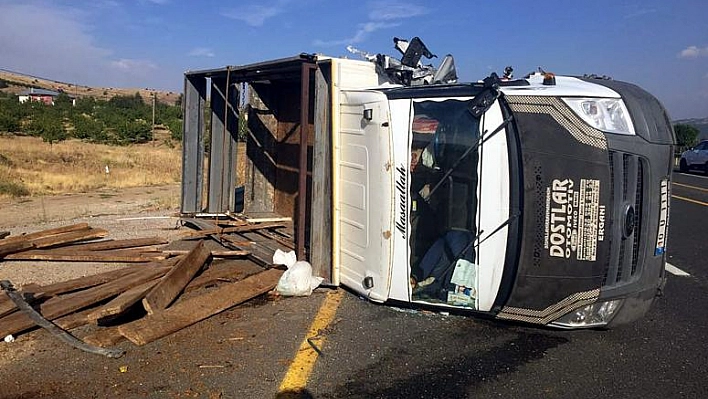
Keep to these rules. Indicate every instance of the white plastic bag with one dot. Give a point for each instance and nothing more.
(298, 279)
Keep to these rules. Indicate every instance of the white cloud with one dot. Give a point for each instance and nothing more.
(133, 66)
(255, 14)
(69, 52)
(201, 52)
(394, 10)
(382, 15)
(693, 52)
(159, 2)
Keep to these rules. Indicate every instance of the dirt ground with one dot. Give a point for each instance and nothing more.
(127, 213)
(233, 354)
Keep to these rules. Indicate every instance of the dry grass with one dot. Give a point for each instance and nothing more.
(30, 166)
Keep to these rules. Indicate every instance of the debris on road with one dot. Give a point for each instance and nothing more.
(163, 288)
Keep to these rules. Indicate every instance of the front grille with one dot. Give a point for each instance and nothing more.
(626, 189)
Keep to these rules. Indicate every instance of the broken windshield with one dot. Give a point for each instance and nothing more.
(443, 190)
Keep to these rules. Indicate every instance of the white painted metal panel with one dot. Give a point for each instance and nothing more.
(364, 193)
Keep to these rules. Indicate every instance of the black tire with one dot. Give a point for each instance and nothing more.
(683, 166)
(705, 169)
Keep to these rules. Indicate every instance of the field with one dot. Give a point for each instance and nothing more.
(31, 167)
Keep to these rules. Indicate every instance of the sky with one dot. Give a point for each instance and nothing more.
(659, 45)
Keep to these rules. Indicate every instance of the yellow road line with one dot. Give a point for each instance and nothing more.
(688, 186)
(690, 200)
(300, 369)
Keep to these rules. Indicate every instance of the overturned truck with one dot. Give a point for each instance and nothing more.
(542, 199)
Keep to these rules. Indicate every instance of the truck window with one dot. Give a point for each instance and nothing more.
(443, 190)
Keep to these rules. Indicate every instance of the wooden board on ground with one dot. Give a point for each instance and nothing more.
(85, 256)
(122, 302)
(105, 336)
(224, 271)
(193, 310)
(7, 306)
(69, 237)
(80, 283)
(236, 229)
(60, 306)
(49, 232)
(214, 253)
(165, 292)
(118, 244)
(63, 287)
(10, 248)
(74, 320)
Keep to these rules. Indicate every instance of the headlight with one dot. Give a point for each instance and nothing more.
(595, 315)
(606, 114)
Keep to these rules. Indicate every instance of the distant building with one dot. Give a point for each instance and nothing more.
(41, 95)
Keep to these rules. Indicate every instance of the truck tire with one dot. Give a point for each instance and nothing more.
(705, 169)
(683, 166)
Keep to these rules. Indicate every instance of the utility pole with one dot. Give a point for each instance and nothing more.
(154, 100)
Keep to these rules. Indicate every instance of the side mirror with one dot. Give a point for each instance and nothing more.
(484, 100)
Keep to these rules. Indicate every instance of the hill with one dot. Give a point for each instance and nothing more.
(699, 123)
(17, 82)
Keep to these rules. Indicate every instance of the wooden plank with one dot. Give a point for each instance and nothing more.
(60, 306)
(80, 283)
(104, 337)
(122, 302)
(49, 232)
(7, 306)
(214, 253)
(86, 256)
(72, 236)
(167, 290)
(236, 229)
(283, 219)
(192, 310)
(74, 320)
(118, 244)
(230, 272)
(239, 242)
(288, 243)
(13, 247)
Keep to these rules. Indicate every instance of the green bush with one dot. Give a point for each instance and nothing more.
(686, 135)
(13, 189)
(120, 120)
(175, 126)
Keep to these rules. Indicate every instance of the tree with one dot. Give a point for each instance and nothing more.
(175, 126)
(686, 135)
(87, 128)
(133, 132)
(49, 127)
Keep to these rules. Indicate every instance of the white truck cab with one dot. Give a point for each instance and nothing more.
(542, 200)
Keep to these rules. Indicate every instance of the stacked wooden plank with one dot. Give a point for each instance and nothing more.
(158, 291)
(67, 243)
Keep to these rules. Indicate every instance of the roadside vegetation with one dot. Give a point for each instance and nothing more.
(122, 120)
(31, 167)
(60, 148)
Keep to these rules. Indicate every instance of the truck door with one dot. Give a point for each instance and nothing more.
(363, 193)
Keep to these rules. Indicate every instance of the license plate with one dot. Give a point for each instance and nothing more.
(663, 218)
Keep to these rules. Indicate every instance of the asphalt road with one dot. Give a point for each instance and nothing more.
(378, 352)
(375, 351)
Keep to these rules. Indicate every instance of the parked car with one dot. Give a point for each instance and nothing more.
(695, 158)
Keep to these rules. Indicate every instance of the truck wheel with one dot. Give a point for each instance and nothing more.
(705, 169)
(683, 166)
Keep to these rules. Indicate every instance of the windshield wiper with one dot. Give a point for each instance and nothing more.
(481, 140)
